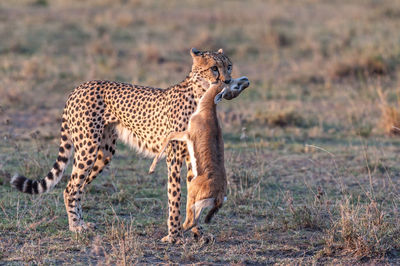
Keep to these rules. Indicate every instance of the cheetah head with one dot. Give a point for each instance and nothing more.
(210, 68)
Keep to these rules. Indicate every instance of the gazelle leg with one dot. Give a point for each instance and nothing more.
(180, 136)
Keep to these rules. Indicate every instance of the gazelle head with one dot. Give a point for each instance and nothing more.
(233, 89)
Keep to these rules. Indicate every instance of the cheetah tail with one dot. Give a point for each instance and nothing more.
(54, 176)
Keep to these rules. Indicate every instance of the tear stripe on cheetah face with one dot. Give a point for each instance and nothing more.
(97, 112)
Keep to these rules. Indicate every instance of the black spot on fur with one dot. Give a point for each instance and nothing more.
(28, 188)
(56, 166)
(44, 184)
(50, 176)
(18, 182)
(62, 159)
(35, 187)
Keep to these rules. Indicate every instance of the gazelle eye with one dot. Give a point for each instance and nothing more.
(214, 68)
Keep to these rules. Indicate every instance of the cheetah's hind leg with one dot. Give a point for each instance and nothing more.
(105, 153)
(81, 169)
(103, 158)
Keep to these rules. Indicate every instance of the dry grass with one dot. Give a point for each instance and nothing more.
(282, 118)
(391, 120)
(390, 115)
(364, 230)
(360, 66)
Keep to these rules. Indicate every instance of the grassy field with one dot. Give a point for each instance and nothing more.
(312, 149)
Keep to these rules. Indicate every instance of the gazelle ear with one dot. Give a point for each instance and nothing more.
(220, 95)
(220, 51)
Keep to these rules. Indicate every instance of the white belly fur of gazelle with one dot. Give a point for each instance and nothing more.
(192, 158)
(189, 143)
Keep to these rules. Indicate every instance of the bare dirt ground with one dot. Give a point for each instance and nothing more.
(313, 174)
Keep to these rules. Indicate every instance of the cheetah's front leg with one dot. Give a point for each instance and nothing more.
(174, 163)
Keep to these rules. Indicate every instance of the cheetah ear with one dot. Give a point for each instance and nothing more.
(220, 51)
(194, 52)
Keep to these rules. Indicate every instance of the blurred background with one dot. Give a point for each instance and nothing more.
(321, 67)
(312, 152)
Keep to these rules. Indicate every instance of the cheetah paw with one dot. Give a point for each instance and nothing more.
(172, 240)
(206, 239)
(83, 227)
(90, 226)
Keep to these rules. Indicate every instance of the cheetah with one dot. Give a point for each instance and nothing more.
(206, 150)
(97, 113)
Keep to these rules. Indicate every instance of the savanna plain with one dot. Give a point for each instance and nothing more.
(312, 147)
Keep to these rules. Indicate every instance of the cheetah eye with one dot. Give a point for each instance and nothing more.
(230, 68)
(214, 68)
